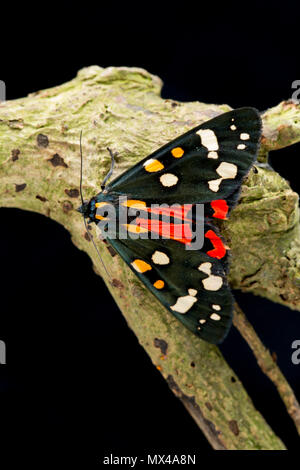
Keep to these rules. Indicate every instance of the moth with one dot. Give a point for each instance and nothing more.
(203, 167)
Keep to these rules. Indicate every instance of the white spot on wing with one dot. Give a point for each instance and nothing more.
(168, 179)
(212, 155)
(192, 292)
(215, 184)
(241, 146)
(183, 304)
(205, 268)
(212, 282)
(215, 316)
(208, 139)
(159, 257)
(233, 127)
(244, 136)
(216, 307)
(226, 171)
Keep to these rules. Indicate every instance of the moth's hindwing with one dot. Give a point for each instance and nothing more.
(190, 284)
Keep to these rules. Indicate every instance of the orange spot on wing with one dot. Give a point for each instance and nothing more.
(220, 207)
(177, 152)
(134, 203)
(135, 228)
(153, 166)
(102, 204)
(219, 250)
(141, 266)
(159, 284)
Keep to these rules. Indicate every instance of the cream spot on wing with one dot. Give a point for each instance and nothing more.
(215, 316)
(216, 307)
(244, 136)
(202, 321)
(212, 155)
(205, 268)
(241, 146)
(212, 282)
(153, 165)
(168, 179)
(183, 304)
(215, 184)
(208, 139)
(233, 127)
(226, 171)
(192, 292)
(159, 257)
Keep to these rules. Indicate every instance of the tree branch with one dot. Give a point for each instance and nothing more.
(121, 108)
(268, 365)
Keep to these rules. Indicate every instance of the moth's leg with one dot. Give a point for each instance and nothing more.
(101, 237)
(112, 156)
(265, 165)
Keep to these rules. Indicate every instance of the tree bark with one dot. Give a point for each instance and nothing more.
(122, 108)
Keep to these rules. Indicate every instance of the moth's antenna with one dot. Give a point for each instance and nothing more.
(98, 252)
(82, 201)
(112, 156)
(85, 224)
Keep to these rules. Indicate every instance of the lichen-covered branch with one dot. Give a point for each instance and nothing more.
(281, 126)
(268, 365)
(122, 108)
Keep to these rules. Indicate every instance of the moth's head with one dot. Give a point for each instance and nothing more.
(87, 209)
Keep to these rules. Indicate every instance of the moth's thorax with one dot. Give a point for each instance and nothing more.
(102, 206)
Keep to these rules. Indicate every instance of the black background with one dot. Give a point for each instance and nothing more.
(77, 384)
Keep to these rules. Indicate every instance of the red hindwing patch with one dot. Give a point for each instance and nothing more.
(179, 232)
(178, 212)
(219, 250)
(220, 207)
